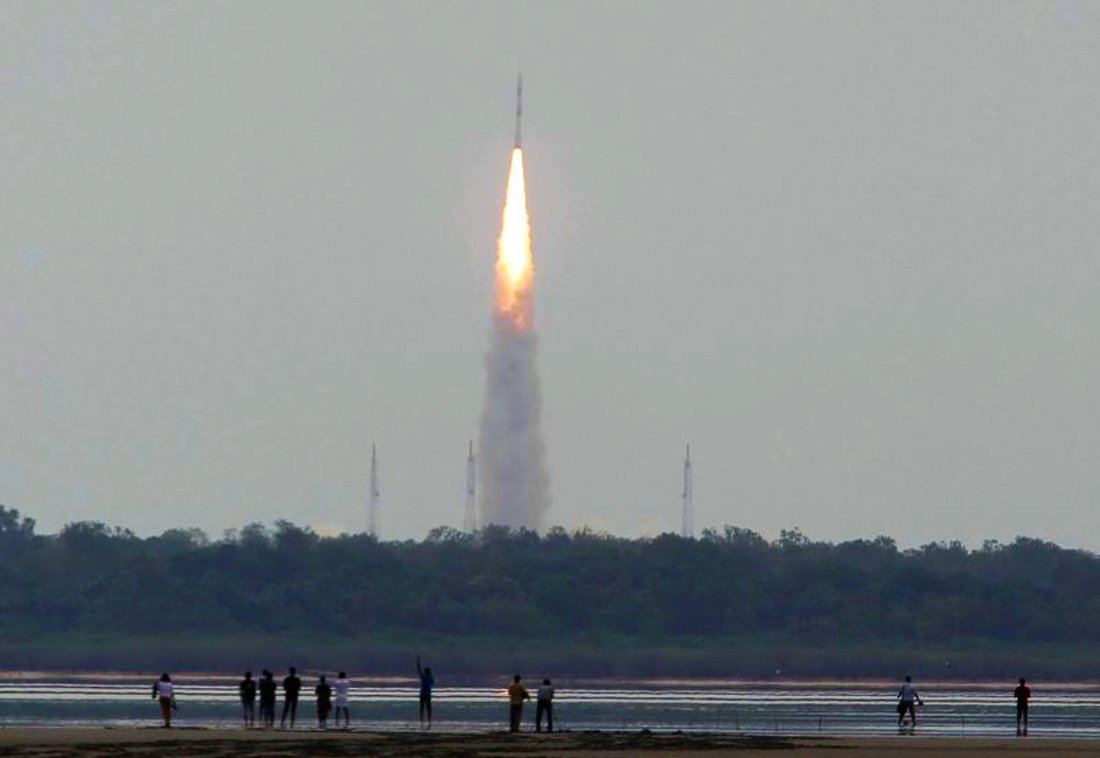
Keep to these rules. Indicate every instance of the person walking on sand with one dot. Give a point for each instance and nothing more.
(907, 696)
(544, 703)
(247, 690)
(324, 702)
(427, 681)
(517, 693)
(165, 695)
(342, 688)
(267, 689)
(1023, 695)
(292, 685)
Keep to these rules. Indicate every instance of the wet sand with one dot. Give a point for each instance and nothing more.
(54, 742)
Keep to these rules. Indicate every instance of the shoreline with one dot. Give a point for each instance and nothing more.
(107, 741)
(869, 683)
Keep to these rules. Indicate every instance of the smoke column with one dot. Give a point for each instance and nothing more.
(515, 487)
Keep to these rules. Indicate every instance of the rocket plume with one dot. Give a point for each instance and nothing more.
(514, 481)
(515, 268)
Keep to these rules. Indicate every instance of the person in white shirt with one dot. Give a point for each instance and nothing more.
(165, 696)
(907, 696)
(545, 704)
(342, 688)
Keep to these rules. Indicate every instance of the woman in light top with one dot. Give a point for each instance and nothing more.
(166, 697)
(342, 688)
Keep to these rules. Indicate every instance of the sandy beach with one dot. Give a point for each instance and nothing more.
(50, 742)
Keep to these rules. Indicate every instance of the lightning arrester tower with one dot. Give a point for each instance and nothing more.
(687, 528)
(469, 517)
(375, 494)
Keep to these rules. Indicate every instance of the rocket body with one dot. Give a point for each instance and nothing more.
(519, 112)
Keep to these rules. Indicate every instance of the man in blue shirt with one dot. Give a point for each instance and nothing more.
(427, 681)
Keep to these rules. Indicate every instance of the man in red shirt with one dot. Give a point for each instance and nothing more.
(1023, 694)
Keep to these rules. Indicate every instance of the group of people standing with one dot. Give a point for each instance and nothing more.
(517, 696)
(339, 692)
(267, 690)
(544, 704)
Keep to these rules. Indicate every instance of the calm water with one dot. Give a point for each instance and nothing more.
(783, 708)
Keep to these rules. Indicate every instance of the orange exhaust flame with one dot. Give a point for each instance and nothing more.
(515, 268)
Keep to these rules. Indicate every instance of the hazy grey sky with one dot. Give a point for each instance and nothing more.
(848, 250)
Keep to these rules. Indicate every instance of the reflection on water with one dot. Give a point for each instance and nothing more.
(783, 708)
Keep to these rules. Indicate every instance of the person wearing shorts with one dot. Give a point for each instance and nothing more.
(342, 688)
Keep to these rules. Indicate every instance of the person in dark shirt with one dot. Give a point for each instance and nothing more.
(267, 689)
(427, 681)
(247, 689)
(1023, 695)
(292, 685)
(324, 702)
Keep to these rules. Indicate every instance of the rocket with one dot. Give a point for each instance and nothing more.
(519, 111)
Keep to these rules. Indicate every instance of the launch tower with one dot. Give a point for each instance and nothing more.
(469, 517)
(687, 527)
(375, 494)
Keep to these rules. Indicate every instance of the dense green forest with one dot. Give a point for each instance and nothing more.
(731, 597)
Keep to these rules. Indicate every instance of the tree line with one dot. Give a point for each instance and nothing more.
(92, 578)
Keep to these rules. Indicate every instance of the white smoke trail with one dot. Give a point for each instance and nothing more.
(515, 485)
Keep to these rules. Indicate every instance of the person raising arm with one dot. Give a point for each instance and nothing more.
(427, 681)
